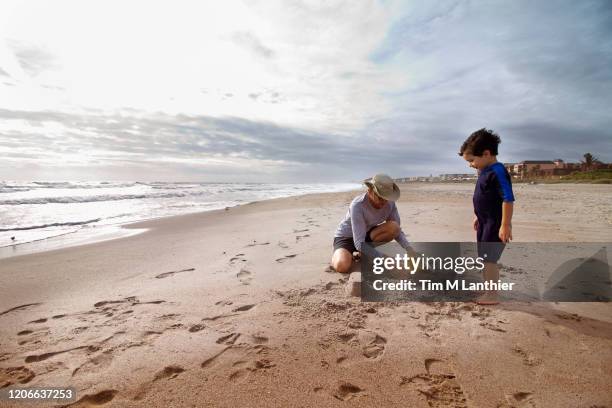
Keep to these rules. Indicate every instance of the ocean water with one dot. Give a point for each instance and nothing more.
(47, 212)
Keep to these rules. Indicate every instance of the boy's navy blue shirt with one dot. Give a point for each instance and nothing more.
(492, 189)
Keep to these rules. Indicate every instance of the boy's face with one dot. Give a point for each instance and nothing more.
(478, 162)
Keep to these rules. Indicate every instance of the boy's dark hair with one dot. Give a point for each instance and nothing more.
(479, 141)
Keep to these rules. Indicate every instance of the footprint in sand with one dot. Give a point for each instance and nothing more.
(243, 308)
(228, 339)
(99, 398)
(41, 357)
(51, 367)
(341, 359)
(79, 330)
(374, 344)
(284, 258)
(255, 243)
(168, 274)
(107, 306)
(239, 363)
(259, 349)
(346, 337)
(430, 363)
(257, 339)
(528, 358)
(441, 389)
(245, 277)
(346, 391)
(196, 328)
(569, 316)
(168, 316)
(109, 302)
(237, 258)
(255, 366)
(32, 336)
(519, 400)
(18, 308)
(263, 364)
(153, 302)
(15, 375)
(169, 372)
(492, 326)
(94, 364)
(239, 374)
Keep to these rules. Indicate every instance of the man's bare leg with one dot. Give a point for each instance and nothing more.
(385, 232)
(342, 260)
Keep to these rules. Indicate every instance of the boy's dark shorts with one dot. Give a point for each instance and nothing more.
(348, 243)
(490, 247)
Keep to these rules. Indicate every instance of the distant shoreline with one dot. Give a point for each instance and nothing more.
(114, 232)
(64, 214)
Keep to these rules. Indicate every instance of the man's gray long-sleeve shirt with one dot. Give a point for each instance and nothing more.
(362, 216)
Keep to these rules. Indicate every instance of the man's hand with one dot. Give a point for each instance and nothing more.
(413, 254)
(505, 233)
(475, 223)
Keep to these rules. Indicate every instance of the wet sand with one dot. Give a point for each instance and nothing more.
(238, 308)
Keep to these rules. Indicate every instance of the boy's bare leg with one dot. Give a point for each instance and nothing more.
(490, 273)
(342, 260)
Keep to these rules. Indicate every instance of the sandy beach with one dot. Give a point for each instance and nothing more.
(238, 307)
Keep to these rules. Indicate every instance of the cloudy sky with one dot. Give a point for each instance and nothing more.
(296, 91)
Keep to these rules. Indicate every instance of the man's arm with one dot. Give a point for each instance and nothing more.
(401, 237)
(360, 229)
(358, 226)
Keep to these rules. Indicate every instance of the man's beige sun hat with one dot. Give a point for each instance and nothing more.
(383, 186)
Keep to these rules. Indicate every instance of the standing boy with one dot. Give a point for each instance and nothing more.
(493, 203)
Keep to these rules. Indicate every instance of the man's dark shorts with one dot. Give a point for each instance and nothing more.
(348, 243)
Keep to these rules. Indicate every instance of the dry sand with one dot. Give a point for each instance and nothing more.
(236, 308)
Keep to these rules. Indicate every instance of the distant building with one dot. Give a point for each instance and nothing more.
(457, 176)
(415, 178)
(543, 168)
(524, 170)
(527, 168)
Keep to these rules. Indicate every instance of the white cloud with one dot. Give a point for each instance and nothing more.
(202, 58)
(294, 89)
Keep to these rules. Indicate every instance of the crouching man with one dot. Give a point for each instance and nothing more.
(371, 217)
